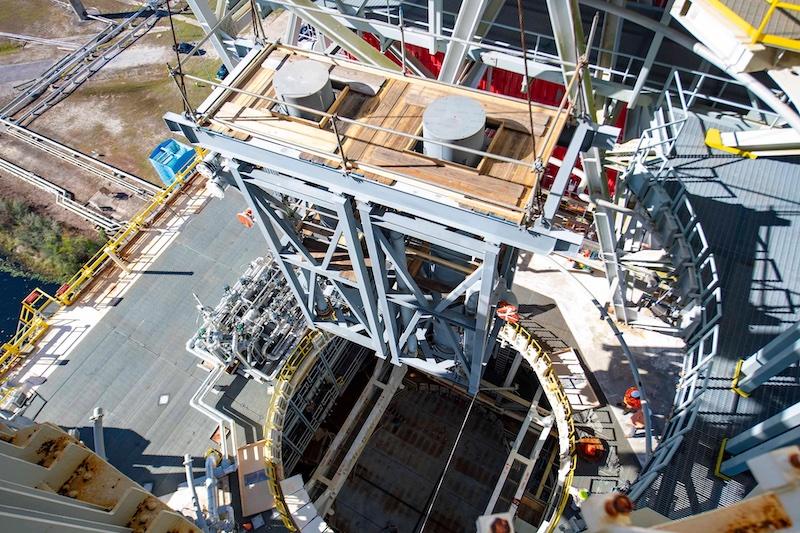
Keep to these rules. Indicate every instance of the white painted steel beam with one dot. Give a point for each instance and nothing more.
(650, 58)
(435, 12)
(551, 73)
(325, 501)
(340, 34)
(514, 455)
(758, 88)
(208, 20)
(470, 21)
(762, 141)
(788, 79)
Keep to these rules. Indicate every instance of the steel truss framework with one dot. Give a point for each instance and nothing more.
(343, 240)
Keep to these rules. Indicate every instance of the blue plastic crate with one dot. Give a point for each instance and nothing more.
(169, 158)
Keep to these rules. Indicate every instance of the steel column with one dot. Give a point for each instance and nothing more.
(562, 177)
(483, 319)
(380, 276)
(776, 356)
(650, 58)
(208, 20)
(272, 241)
(365, 282)
(435, 12)
(568, 34)
(469, 18)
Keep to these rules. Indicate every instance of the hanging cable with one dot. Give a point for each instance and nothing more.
(447, 465)
(258, 26)
(521, 17)
(538, 165)
(177, 74)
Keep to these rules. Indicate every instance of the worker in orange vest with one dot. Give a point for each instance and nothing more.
(632, 400)
(507, 312)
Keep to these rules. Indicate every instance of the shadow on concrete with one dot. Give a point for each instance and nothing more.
(253, 430)
(169, 272)
(125, 451)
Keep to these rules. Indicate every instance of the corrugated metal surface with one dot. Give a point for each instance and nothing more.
(750, 212)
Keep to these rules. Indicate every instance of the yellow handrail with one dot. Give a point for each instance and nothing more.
(281, 394)
(758, 34)
(554, 385)
(70, 290)
(33, 318)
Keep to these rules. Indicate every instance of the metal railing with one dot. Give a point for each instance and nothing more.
(759, 35)
(695, 263)
(283, 388)
(625, 68)
(658, 142)
(533, 353)
(69, 291)
(30, 328)
(33, 320)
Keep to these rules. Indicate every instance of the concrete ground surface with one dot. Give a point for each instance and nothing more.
(542, 317)
(658, 356)
(133, 360)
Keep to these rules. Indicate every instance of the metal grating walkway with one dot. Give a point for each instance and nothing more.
(750, 212)
(782, 23)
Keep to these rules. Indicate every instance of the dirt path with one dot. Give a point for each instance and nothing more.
(115, 116)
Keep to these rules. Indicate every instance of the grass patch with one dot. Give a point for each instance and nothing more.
(140, 106)
(186, 32)
(8, 47)
(40, 245)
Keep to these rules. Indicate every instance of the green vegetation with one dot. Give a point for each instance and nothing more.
(7, 47)
(40, 245)
(187, 32)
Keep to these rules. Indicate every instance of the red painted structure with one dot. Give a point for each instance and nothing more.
(510, 84)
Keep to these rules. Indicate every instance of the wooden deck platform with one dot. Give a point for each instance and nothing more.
(367, 97)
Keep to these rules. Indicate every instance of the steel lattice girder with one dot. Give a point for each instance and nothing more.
(387, 309)
(384, 287)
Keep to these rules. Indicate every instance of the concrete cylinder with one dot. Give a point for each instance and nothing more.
(458, 120)
(306, 83)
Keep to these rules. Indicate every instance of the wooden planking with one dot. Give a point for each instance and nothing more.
(506, 102)
(499, 188)
(455, 179)
(517, 146)
(410, 122)
(432, 190)
(253, 121)
(402, 118)
(376, 112)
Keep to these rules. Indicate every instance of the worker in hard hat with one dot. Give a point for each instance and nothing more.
(632, 401)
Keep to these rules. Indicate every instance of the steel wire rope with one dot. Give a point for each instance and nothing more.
(538, 166)
(447, 464)
(177, 75)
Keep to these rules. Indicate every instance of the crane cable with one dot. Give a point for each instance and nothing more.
(538, 165)
(447, 465)
(177, 74)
